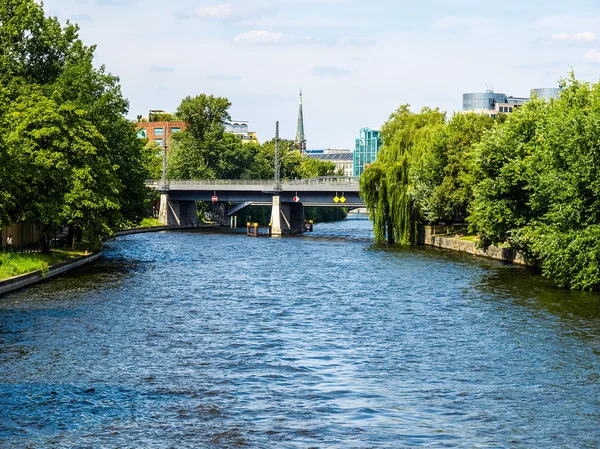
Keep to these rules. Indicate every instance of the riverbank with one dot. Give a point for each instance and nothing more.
(505, 254)
(22, 270)
(25, 280)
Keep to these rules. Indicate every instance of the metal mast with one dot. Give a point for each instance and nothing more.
(165, 181)
(300, 137)
(277, 171)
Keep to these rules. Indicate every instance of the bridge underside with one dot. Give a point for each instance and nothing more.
(179, 206)
(308, 199)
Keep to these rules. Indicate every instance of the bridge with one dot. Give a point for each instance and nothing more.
(287, 197)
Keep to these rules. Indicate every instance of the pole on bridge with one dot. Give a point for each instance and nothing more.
(277, 171)
(164, 161)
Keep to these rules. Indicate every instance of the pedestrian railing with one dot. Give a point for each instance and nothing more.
(330, 180)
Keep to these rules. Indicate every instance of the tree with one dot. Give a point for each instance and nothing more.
(540, 185)
(74, 156)
(444, 181)
(197, 151)
(388, 186)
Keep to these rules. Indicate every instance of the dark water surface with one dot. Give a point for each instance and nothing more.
(207, 340)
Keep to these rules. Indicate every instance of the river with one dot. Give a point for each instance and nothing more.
(214, 340)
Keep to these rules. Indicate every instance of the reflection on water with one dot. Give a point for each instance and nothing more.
(212, 340)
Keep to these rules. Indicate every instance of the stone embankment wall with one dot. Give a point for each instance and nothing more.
(493, 252)
(161, 228)
(25, 280)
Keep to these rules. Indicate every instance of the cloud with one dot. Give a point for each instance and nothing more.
(357, 42)
(331, 71)
(225, 12)
(561, 37)
(81, 18)
(452, 22)
(592, 56)
(180, 15)
(586, 36)
(115, 2)
(161, 69)
(260, 37)
(224, 77)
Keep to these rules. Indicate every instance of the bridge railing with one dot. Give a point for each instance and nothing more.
(330, 180)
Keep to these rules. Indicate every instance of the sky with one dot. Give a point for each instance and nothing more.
(356, 61)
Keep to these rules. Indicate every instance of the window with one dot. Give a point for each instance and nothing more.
(510, 109)
(175, 130)
(159, 141)
(158, 131)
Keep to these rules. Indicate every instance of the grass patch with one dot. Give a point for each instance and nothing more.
(469, 238)
(150, 223)
(16, 264)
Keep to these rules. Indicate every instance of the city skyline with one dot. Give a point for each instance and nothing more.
(355, 63)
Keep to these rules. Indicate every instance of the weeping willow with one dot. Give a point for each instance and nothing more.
(386, 186)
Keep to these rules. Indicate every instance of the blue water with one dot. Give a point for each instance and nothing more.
(212, 340)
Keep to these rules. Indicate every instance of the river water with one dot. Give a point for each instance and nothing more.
(214, 340)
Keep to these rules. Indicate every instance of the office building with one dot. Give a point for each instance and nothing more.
(492, 103)
(366, 149)
(341, 158)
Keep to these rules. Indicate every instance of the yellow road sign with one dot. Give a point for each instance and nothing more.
(343, 199)
(336, 199)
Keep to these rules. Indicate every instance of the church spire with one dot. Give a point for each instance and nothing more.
(300, 137)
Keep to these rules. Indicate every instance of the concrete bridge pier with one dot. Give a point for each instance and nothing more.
(177, 213)
(286, 218)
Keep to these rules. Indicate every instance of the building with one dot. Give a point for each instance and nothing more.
(158, 123)
(300, 137)
(155, 131)
(239, 128)
(366, 149)
(343, 159)
(492, 103)
(547, 93)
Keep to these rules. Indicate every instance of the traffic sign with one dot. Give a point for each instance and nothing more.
(296, 199)
(336, 199)
(215, 198)
(343, 199)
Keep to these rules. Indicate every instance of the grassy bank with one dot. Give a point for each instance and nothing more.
(150, 223)
(15, 264)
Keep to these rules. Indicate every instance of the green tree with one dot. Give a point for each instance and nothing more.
(197, 152)
(540, 185)
(445, 179)
(66, 118)
(388, 186)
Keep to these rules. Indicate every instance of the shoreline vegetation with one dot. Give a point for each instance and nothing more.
(528, 181)
(14, 264)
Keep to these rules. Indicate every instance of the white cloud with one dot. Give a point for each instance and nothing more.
(331, 71)
(259, 37)
(451, 22)
(593, 56)
(224, 12)
(585, 36)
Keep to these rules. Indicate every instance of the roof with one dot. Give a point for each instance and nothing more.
(332, 157)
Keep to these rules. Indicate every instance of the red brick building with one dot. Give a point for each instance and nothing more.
(155, 131)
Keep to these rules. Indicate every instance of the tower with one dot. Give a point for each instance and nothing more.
(300, 137)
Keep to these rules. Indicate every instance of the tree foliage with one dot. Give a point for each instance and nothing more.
(69, 155)
(541, 185)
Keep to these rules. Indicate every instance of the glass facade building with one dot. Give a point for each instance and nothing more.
(366, 149)
(482, 101)
(547, 93)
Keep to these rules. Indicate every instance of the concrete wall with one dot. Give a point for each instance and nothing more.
(493, 252)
